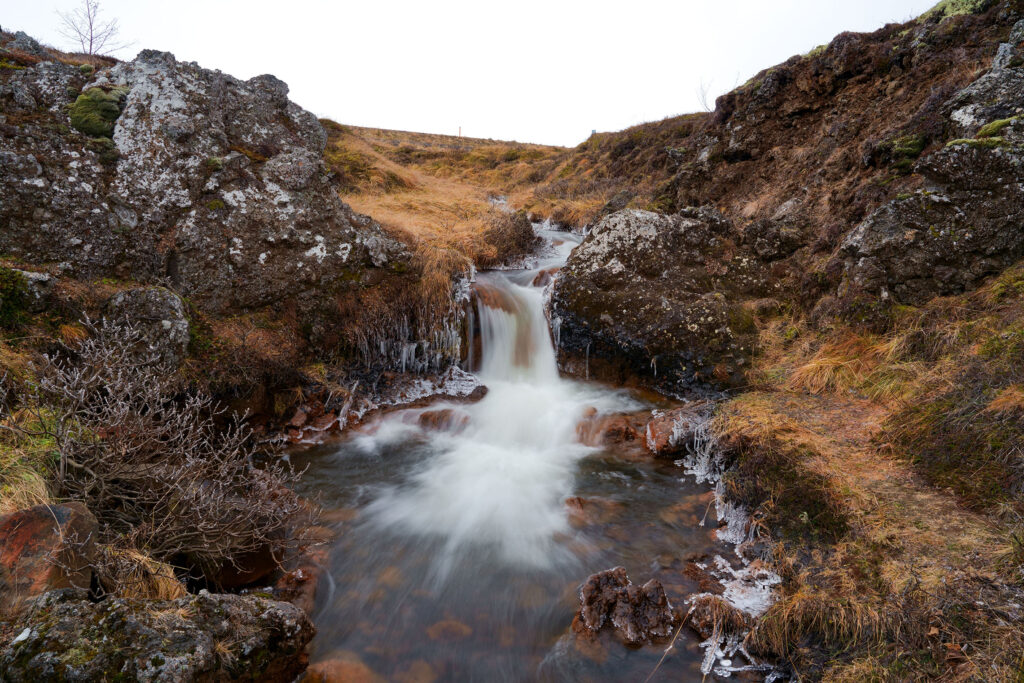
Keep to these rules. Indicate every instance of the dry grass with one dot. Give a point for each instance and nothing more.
(860, 425)
(430, 190)
(128, 573)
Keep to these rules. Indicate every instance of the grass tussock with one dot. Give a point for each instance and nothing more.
(129, 573)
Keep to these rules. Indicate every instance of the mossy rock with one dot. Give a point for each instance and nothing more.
(14, 299)
(96, 110)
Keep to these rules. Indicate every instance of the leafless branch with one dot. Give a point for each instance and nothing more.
(84, 27)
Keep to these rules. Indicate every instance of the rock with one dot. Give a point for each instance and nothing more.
(341, 667)
(588, 511)
(996, 95)
(23, 42)
(671, 432)
(40, 289)
(444, 420)
(299, 585)
(661, 298)
(43, 548)
(196, 638)
(213, 183)
(449, 630)
(602, 430)
(947, 239)
(159, 315)
(637, 613)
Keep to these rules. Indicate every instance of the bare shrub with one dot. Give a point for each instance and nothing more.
(152, 462)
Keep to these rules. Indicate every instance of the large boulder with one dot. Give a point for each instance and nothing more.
(43, 548)
(661, 296)
(186, 175)
(201, 637)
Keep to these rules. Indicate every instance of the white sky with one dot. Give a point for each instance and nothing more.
(534, 70)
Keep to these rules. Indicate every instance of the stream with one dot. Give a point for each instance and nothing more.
(466, 529)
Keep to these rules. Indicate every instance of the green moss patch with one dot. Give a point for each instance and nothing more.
(14, 299)
(992, 129)
(96, 111)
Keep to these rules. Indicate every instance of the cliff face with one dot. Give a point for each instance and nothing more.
(847, 181)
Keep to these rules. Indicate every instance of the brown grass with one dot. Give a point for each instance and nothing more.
(128, 573)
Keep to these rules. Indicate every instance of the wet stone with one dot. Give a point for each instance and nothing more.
(637, 613)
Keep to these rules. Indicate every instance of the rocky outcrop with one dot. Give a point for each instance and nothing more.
(201, 637)
(664, 297)
(637, 613)
(43, 548)
(212, 184)
(969, 221)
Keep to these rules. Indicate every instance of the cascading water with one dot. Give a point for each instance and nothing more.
(457, 556)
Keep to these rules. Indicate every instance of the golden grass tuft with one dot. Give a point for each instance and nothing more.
(836, 622)
(128, 573)
(1008, 400)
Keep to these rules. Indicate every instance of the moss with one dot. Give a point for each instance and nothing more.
(992, 129)
(952, 8)
(14, 299)
(741, 320)
(216, 205)
(105, 150)
(984, 143)
(86, 69)
(816, 52)
(215, 163)
(96, 111)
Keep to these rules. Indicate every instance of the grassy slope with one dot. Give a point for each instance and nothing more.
(888, 466)
(433, 189)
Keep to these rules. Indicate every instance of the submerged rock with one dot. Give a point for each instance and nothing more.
(201, 637)
(637, 613)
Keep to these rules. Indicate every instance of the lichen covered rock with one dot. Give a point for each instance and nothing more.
(159, 315)
(201, 637)
(662, 296)
(213, 184)
(968, 223)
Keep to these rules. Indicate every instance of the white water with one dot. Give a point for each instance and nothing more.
(501, 483)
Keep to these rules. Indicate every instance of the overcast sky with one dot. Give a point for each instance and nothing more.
(534, 70)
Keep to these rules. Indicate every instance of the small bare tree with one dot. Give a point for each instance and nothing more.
(94, 35)
(702, 95)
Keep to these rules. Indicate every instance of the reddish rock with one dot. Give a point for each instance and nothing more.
(637, 613)
(43, 548)
(544, 277)
(324, 422)
(444, 420)
(588, 511)
(449, 629)
(670, 432)
(605, 430)
(341, 667)
(299, 419)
